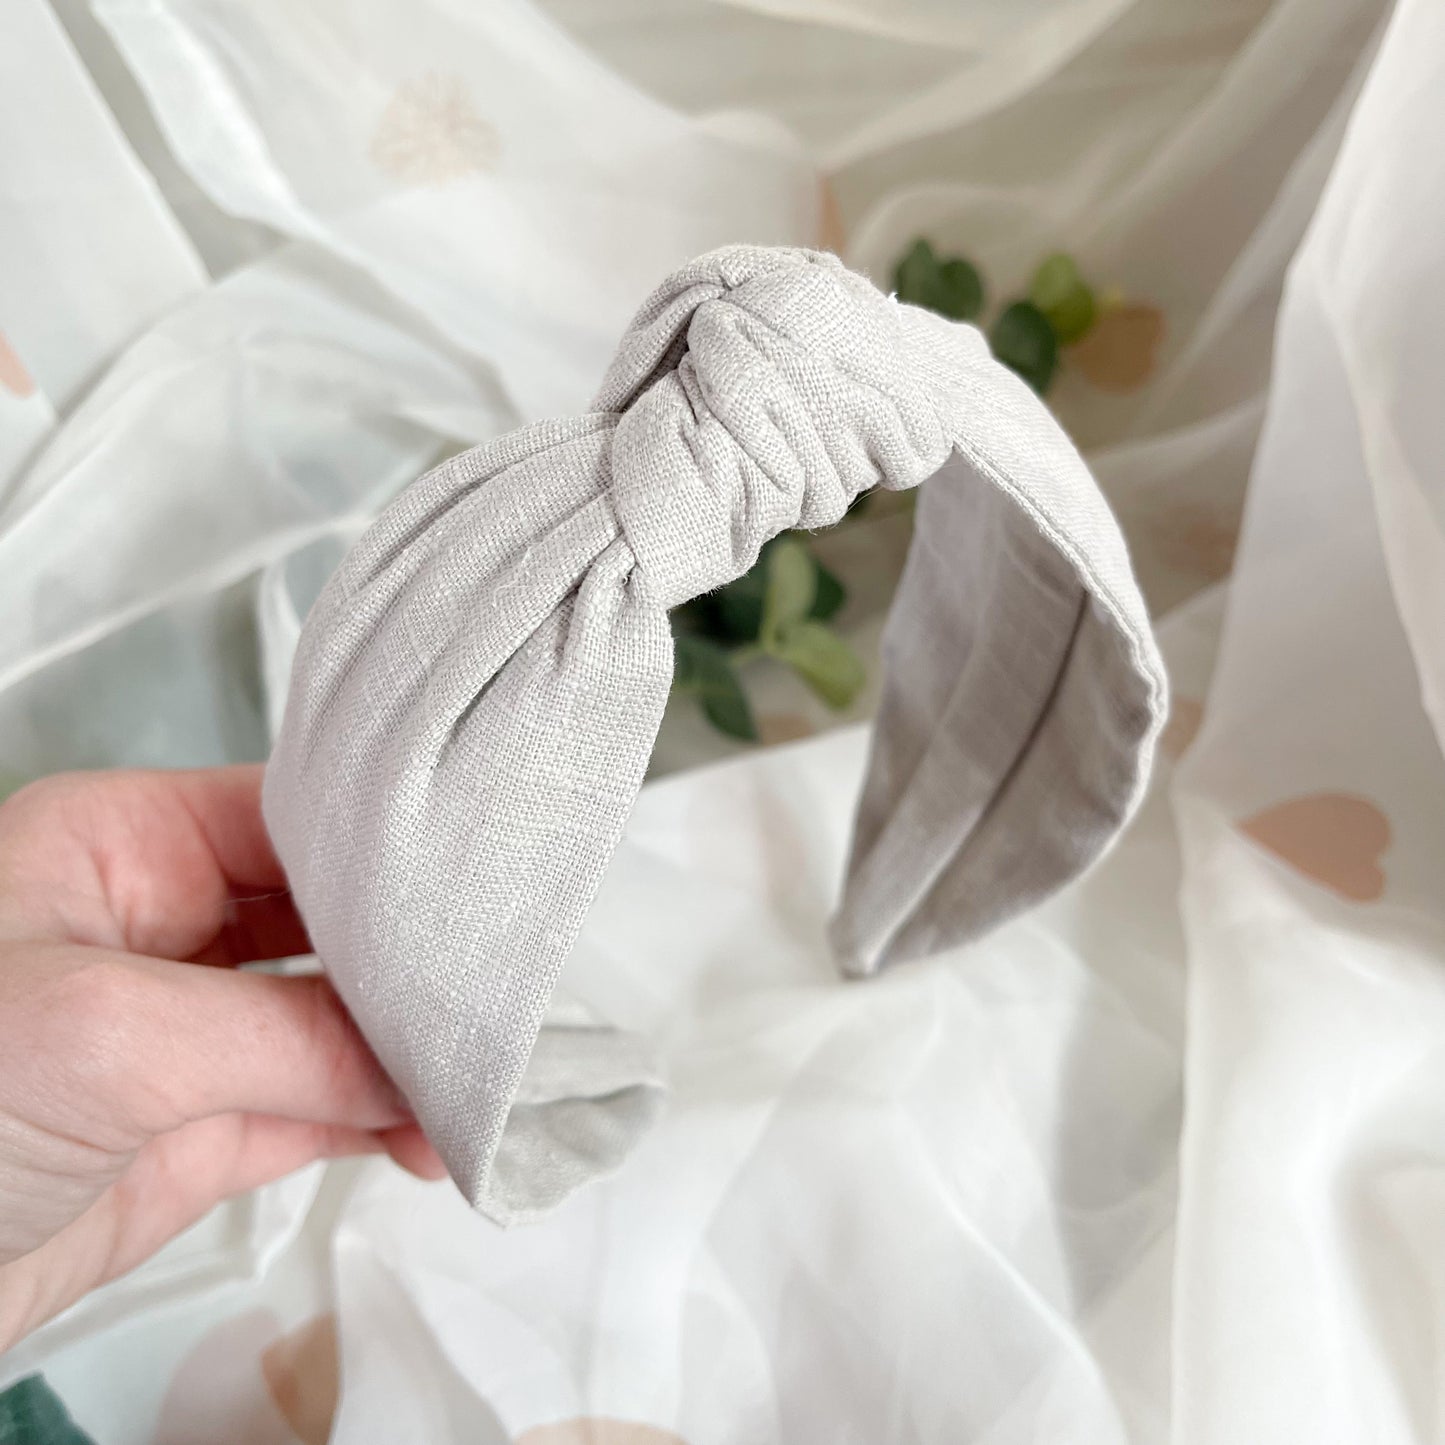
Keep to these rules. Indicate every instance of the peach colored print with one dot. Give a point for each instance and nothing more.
(1337, 839)
(1120, 352)
(1186, 716)
(13, 375)
(1193, 540)
(216, 1394)
(303, 1376)
(783, 727)
(832, 236)
(597, 1432)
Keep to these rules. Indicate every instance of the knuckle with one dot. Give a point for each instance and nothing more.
(344, 1058)
(40, 799)
(102, 1033)
(92, 1014)
(68, 796)
(333, 1034)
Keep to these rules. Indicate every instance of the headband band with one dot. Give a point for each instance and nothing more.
(477, 692)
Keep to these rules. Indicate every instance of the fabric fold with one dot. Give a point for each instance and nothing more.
(477, 691)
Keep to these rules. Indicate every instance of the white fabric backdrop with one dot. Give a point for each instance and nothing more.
(1163, 1163)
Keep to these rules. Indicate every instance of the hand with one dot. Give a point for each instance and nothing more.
(142, 1077)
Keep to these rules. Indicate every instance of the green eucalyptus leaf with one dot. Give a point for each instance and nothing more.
(792, 587)
(830, 595)
(960, 290)
(953, 288)
(733, 614)
(696, 662)
(824, 661)
(739, 607)
(695, 617)
(31, 1413)
(730, 712)
(916, 271)
(1024, 341)
(704, 670)
(1065, 299)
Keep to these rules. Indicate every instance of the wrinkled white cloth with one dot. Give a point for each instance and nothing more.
(477, 691)
(1312, 817)
(1071, 1245)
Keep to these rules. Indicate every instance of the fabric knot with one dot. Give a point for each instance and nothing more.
(477, 691)
(758, 390)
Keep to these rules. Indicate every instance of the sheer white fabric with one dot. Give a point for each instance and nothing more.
(1161, 1173)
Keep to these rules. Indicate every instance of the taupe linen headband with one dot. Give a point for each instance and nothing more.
(478, 689)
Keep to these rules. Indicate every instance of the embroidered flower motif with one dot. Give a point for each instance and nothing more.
(431, 133)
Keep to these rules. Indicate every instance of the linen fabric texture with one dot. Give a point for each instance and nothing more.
(478, 689)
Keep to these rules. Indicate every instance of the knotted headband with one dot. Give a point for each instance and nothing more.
(477, 692)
